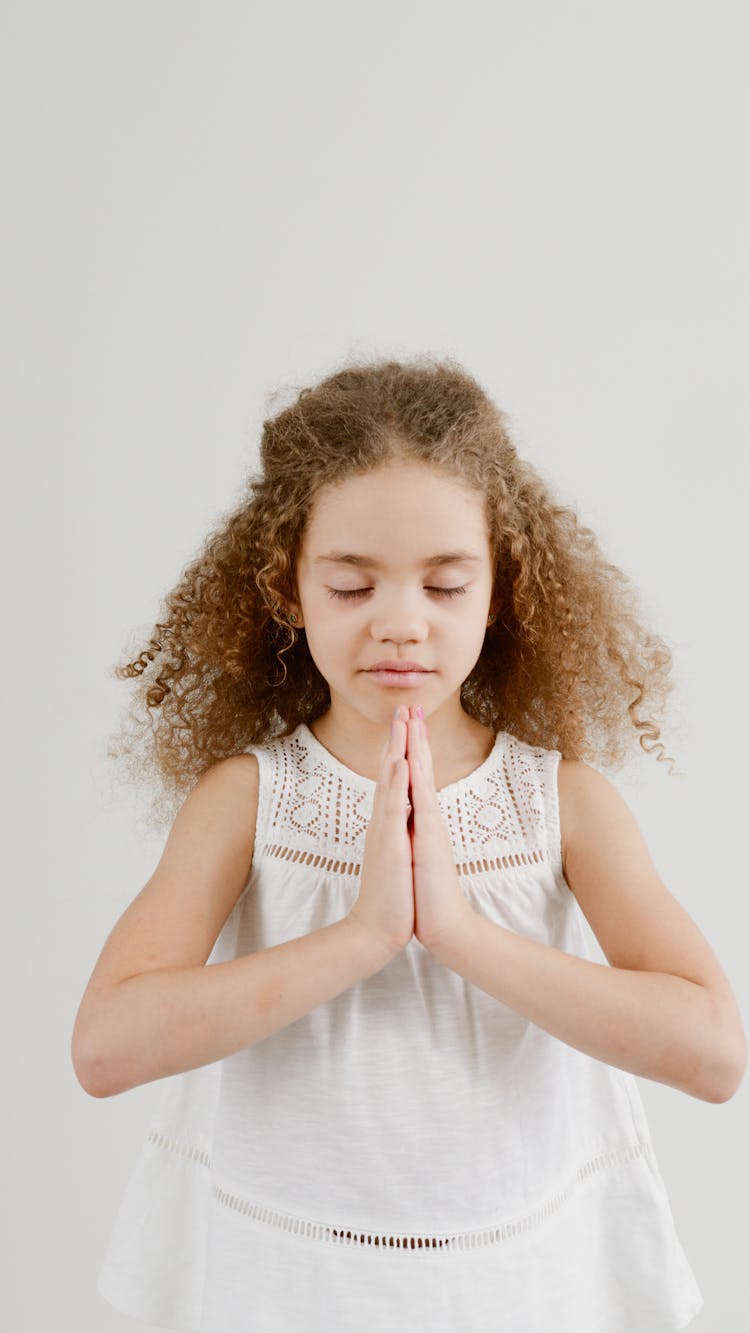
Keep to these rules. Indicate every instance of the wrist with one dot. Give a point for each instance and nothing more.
(374, 951)
(455, 945)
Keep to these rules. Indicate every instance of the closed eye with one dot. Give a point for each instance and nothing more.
(361, 592)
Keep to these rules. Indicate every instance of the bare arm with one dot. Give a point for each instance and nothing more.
(658, 1026)
(152, 1007)
(663, 1009)
(171, 1019)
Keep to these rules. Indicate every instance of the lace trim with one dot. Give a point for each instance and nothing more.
(485, 865)
(309, 800)
(461, 1241)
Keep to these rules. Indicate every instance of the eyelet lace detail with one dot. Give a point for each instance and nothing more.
(504, 814)
(327, 1233)
(338, 867)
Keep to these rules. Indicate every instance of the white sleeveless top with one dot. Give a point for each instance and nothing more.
(411, 1156)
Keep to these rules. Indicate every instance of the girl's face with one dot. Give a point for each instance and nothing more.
(392, 598)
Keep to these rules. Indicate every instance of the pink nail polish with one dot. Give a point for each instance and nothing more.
(420, 712)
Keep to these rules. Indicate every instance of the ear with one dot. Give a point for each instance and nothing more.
(294, 616)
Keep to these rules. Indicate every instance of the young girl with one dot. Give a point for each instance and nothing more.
(403, 1095)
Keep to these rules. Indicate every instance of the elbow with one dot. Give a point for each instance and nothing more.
(93, 1079)
(727, 1052)
(89, 1085)
(85, 1069)
(729, 1071)
(90, 1080)
(88, 1067)
(100, 1074)
(730, 1083)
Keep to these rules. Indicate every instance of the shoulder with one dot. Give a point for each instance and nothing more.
(587, 800)
(591, 810)
(218, 819)
(236, 773)
(227, 790)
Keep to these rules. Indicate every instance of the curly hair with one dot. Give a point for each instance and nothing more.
(567, 664)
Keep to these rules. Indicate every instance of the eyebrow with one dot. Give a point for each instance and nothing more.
(366, 561)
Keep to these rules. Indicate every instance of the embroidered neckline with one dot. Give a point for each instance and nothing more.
(315, 806)
(309, 738)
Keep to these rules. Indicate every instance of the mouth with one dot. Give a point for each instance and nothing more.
(400, 678)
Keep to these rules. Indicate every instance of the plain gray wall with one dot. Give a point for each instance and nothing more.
(207, 202)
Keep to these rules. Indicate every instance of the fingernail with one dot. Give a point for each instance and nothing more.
(420, 711)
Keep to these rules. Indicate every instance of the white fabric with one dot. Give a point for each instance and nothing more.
(412, 1156)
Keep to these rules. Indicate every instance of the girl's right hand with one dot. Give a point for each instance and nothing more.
(385, 906)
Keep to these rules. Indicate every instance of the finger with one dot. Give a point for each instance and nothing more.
(419, 725)
(424, 748)
(415, 739)
(391, 769)
(392, 751)
(420, 759)
(402, 729)
(414, 747)
(396, 746)
(398, 791)
(401, 772)
(423, 730)
(394, 735)
(407, 793)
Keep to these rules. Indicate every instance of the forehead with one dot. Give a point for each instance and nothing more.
(400, 514)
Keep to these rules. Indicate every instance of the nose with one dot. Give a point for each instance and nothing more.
(400, 621)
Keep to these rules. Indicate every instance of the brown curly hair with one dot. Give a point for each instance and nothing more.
(567, 664)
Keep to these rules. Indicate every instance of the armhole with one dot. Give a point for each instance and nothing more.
(260, 822)
(552, 809)
(261, 813)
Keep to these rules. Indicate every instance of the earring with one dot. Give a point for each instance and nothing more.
(292, 615)
(491, 617)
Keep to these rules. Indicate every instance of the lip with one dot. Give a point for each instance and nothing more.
(399, 680)
(398, 664)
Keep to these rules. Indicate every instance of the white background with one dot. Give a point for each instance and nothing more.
(205, 203)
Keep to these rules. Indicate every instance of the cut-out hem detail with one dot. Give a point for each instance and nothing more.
(182, 1149)
(327, 1233)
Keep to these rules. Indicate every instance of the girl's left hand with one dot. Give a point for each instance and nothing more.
(440, 907)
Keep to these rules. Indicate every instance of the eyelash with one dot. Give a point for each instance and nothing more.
(359, 592)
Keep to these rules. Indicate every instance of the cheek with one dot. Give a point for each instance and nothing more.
(332, 636)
